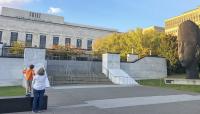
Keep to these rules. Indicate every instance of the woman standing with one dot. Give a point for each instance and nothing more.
(40, 82)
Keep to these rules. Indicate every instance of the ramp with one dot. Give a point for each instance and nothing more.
(118, 76)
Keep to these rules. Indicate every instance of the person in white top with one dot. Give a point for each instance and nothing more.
(39, 83)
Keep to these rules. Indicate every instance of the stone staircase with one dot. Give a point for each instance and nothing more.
(80, 79)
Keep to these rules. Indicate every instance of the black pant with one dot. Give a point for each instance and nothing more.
(38, 99)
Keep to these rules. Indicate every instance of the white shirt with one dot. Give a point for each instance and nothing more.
(40, 82)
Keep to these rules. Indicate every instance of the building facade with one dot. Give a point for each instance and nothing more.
(154, 28)
(45, 30)
(171, 24)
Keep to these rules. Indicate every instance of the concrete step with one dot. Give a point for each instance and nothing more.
(78, 82)
(69, 81)
(57, 78)
(61, 80)
(77, 75)
(81, 79)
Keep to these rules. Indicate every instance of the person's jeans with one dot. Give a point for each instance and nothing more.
(38, 99)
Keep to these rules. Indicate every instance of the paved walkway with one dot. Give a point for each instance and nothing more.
(114, 99)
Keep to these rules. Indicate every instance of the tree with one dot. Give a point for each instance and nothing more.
(64, 51)
(169, 48)
(134, 41)
(152, 41)
(141, 43)
(17, 48)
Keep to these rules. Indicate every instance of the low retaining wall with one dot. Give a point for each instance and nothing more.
(182, 81)
(73, 68)
(11, 71)
(146, 68)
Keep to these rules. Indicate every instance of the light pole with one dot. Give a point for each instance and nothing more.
(132, 51)
(150, 52)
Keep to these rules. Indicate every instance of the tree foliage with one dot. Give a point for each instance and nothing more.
(141, 43)
(169, 48)
(136, 42)
(65, 50)
(17, 48)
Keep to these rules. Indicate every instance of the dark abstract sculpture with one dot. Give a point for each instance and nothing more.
(188, 48)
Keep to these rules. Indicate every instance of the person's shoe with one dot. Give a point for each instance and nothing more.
(28, 95)
(34, 111)
(40, 111)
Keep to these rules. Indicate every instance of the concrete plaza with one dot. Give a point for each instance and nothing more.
(114, 99)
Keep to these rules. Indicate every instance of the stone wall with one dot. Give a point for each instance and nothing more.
(73, 68)
(11, 71)
(110, 61)
(1, 49)
(34, 56)
(31, 15)
(131, 57)
(146, 68)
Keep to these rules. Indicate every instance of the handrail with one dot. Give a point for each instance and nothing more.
(51, 78)
(143, 58)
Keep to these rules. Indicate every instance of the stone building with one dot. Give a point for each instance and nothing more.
(154, 28)
(45, 30)
(171, 24)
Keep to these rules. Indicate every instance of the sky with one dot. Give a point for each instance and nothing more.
(122, 15)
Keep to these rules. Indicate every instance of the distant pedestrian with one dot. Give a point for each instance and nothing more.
(29, 73)
(40, 82)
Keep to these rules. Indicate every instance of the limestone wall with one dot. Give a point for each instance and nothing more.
(31, 15)
(110, 61)
(37, 28)
(1, 46)
(11, 71)
(34, 56)
(73, 68)
(146, 68)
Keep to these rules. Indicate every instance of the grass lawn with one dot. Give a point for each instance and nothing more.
(160, 83)
(12, 91)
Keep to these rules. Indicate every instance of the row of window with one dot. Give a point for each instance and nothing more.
(181, 19)
(35, 15)
(42, 43)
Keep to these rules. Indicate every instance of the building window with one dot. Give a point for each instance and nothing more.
(42, 41)
(34, 15)
(55, 41)
(67, 41)
(0, 36)
(14, 36)
(79, 43)
(28, 40)
(89, 44)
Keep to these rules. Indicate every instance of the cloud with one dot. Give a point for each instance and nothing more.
(8, 2)
(53, 10)
(13, 3)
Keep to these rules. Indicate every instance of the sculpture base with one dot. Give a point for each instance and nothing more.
(180, 81)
